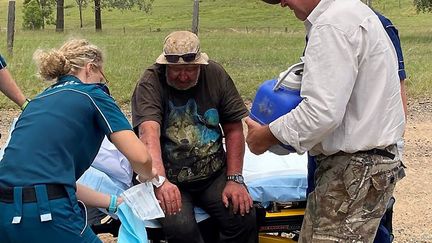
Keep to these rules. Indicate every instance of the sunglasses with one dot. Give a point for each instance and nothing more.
(188, 57)
(105, 80)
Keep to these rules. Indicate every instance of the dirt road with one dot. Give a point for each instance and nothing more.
(413, 209)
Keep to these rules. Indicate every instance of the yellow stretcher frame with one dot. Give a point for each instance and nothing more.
(266, 238)
(280, 219)
(286, 220)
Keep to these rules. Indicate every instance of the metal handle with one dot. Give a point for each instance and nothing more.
(279, 82)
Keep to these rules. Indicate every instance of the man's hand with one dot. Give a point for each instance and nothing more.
(239, 197)
(169, 197)
(259, 138)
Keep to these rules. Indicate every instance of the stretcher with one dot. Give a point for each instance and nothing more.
(278, 183)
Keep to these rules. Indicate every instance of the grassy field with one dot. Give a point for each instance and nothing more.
(254, 41)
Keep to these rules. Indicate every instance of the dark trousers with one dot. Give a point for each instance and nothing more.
(233, 228)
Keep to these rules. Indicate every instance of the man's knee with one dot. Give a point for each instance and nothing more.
(240, 228)
(180, 228)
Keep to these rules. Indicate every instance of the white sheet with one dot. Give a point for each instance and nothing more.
(271, 177)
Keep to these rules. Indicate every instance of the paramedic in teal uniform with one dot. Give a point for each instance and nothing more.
(55, 140)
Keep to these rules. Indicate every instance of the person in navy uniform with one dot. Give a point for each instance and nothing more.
(55, 140)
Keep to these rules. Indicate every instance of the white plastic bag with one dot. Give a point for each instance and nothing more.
(142, 200)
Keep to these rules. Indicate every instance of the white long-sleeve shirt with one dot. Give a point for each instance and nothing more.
(350, 86)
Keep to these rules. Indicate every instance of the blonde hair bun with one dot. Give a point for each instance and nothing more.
(68, 59)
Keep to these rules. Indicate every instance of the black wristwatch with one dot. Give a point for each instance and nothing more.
(238, 178)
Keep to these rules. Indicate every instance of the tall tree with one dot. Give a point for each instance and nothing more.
(98, 15)
(423, 5)
(143, 5)
(60, 16)
(48, 11)
(81, 4)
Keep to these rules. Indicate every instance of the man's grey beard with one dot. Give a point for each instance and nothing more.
(172, 84)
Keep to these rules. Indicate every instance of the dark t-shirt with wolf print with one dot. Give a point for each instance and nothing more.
(191, 136)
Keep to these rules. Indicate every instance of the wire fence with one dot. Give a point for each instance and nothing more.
(150, 29)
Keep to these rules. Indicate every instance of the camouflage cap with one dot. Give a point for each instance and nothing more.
(272, 1)
(180, 43)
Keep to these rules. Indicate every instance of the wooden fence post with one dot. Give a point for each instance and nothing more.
(11, 26)
(195, 18)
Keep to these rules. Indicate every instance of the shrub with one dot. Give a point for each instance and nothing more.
(32, 15)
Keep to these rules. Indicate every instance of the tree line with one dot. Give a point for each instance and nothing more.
(423, 5)
(39, 13)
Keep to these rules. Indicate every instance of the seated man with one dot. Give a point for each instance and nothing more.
(181, 108)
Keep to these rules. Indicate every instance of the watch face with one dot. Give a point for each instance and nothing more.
(236, 178)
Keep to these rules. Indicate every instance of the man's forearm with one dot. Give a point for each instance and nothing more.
(156, 154)
(235, 147)
(149, 134)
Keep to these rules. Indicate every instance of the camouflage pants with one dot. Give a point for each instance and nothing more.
(351, 195)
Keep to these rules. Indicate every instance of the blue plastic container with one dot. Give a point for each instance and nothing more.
(271, 104)
(277, 97)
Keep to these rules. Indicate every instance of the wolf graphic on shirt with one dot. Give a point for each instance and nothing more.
(193, 143)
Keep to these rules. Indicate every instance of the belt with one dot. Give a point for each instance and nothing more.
(374, 151)
(381, 152)
(54, 191)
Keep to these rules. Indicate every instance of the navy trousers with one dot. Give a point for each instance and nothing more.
(58, 220)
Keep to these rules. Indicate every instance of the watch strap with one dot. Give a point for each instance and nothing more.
(238, 178)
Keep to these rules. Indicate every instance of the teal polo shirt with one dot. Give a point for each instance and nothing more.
(59, 134)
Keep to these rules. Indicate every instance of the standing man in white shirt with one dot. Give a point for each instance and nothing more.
(350, 118)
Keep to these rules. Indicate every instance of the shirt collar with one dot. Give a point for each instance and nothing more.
(67, 78)
(322, 6)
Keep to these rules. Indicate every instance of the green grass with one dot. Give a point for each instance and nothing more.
(252, 40)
